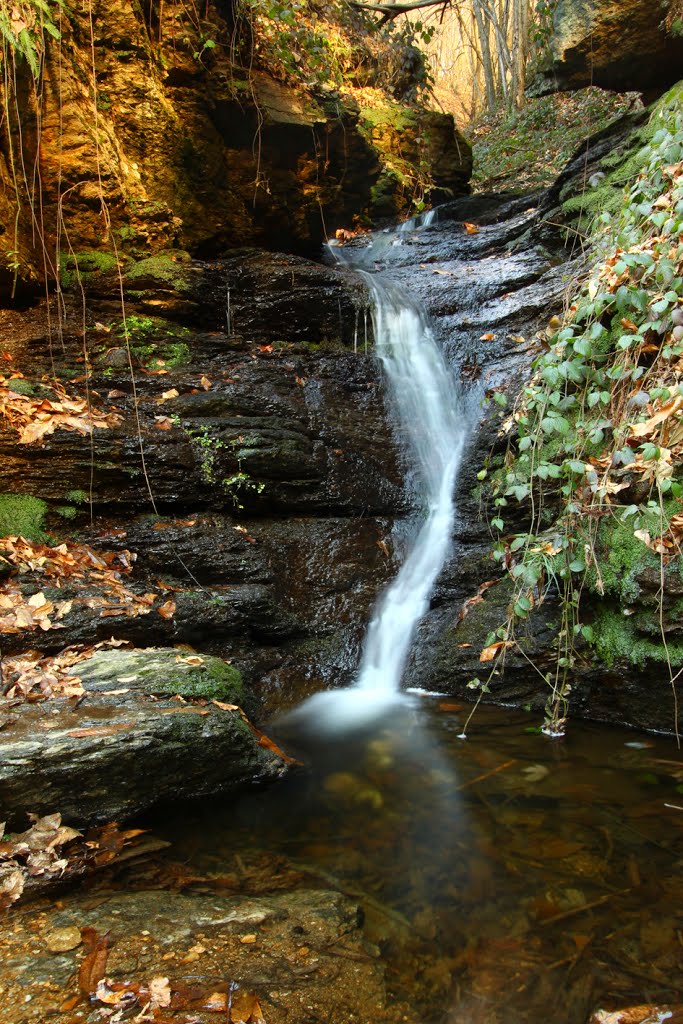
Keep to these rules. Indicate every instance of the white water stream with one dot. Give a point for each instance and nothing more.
(431, 421)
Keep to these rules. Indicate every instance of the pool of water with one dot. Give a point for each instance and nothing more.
(504, 877)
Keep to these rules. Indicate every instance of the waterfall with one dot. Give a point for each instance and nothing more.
(431, 422)
(425, 403)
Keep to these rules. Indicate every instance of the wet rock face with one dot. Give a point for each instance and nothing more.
(616, 44)
(274, 469)
(130, 743)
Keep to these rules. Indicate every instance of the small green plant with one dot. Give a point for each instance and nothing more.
(207, 444)
(239, 484)
(205, 44)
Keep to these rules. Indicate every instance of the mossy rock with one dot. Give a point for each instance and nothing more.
(617, 639)
(161, 271)
(22, 515)
(164, 672)
(87, 266)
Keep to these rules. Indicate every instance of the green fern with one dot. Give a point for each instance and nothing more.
(23, 26)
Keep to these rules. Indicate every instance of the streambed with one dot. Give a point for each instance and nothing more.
(409, 875)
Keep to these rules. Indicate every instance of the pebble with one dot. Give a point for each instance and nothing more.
(60, 940)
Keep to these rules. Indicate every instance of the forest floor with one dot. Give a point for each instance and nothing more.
(527, 149)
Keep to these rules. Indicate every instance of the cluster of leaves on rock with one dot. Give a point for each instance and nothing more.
(99, 576)
(34, 417)
(49, 852)
(599, 429)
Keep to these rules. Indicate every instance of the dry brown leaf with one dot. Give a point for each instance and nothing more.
(205, 383)
(167, 610)
(490, 652)
(159, 992)
(643, 429)
(245, 1008)
(471, 229)
(167, 396)
(93, 967)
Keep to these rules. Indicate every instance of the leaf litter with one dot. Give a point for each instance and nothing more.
(36, 417)
(49, 852)
(102, 575)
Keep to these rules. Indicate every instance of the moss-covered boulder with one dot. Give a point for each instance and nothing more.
(155, 725)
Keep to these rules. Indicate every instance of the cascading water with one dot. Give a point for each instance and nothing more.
(432, 421)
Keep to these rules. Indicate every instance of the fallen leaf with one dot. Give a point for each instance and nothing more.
(159, 992)
(487, 337)
(167, 610)
(205, 383)
(642, 429)
(245, 1008)
(93, 967)
(471, 229)
(490, 652)
(167, 396)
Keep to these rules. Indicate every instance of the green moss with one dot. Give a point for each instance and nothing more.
(161, 270)
(92, 261)
(66, 511)
(77, 497)
(214, 680)
(397, 117)
(621, 557)
(21, 387)
(22, 515)
(616, 638)
(86, 266)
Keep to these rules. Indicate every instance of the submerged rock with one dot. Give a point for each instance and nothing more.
(134, 740)
(302, 955)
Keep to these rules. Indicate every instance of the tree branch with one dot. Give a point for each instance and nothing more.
(393, 10)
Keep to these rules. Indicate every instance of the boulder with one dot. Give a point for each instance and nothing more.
(154, 725)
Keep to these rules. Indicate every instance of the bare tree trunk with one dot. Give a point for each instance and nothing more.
(520, 31)
(483, 33)
(502, 49)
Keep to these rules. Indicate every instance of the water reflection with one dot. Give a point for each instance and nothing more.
(505, 879)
